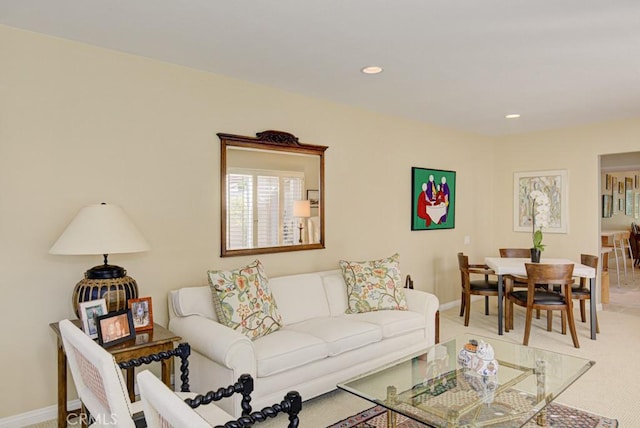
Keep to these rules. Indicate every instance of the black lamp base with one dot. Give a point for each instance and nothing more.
(105, 271)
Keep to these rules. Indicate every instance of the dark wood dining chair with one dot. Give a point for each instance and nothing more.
(537, 298)
(580, 291)
(482, 287)
(518, 253)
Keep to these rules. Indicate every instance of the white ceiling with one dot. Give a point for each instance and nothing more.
(460, 64)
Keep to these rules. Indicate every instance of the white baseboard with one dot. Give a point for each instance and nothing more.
(456, 303)
(35, 416)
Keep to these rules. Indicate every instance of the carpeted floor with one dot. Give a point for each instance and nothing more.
(558, 416)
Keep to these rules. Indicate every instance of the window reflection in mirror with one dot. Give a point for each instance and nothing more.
(261, 178)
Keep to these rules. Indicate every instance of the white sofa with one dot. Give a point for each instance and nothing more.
(318, 346)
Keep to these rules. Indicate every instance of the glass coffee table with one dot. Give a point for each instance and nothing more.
(431, 387)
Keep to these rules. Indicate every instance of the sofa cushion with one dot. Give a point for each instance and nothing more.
(243, 301)
(336, 291)
(340, 334)
(374, 285)
(392, 323)
(286, 349)
(299, 297)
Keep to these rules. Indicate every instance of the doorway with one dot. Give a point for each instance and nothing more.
(620, 207)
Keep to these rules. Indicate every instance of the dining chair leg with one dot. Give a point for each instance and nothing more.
(597, 323)
(486, 305)
(507, 315)
(527, 326)
(572, 326)
(549, 320)
(467, 308)
(563, 322)
(462, 303)
(615, 253)
(583, 316)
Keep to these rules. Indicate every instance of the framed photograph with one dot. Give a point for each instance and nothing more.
(620, 186)
(636, 205)
(115, 327)
(142, 313)
(614, 184)
(313, 196)
(607, 206)
(621, 205)
(607, 182)
(628, 189)
(89, 313)
(433, 199)
(554, 184)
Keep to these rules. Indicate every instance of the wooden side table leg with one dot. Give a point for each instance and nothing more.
(62, 386)
(131, 380)
(166, 371)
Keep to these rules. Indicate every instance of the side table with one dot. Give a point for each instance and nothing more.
(146, 342)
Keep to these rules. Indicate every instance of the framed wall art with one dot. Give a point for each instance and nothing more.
(142, 313)
(313, 196)
(607, 206)
(554, 184)
(628, 190)
(89, 313)
(115, 327)
(433, 199)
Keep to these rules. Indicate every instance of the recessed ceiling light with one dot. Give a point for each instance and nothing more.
(373, 69)
(512, 116)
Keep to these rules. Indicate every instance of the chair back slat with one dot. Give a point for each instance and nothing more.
(515, 253)
(556, 274)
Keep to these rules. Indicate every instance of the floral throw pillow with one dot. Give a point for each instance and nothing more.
(374, 285)
(243, 301)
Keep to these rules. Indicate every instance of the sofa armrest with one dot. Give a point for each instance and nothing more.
(427, 305)
(217, 342)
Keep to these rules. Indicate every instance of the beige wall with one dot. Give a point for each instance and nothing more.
(81, 125)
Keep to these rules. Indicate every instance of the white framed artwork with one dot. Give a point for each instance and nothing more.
(89, 313)
(553, 183)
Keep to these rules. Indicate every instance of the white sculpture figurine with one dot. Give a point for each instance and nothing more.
(479, 357)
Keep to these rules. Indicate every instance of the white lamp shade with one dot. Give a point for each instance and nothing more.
(100, 229)
(301, 209)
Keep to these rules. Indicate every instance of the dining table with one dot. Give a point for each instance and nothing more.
(516, 266)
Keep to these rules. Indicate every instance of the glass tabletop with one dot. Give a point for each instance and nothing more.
(434, 387)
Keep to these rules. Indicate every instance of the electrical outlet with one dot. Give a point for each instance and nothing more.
(467, 240)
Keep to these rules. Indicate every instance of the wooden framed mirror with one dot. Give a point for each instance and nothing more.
(271, 194)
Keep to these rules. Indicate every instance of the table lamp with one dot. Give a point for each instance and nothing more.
(102, 229)
(301, 209)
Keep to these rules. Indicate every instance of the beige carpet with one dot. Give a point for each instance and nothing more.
(611, 388)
